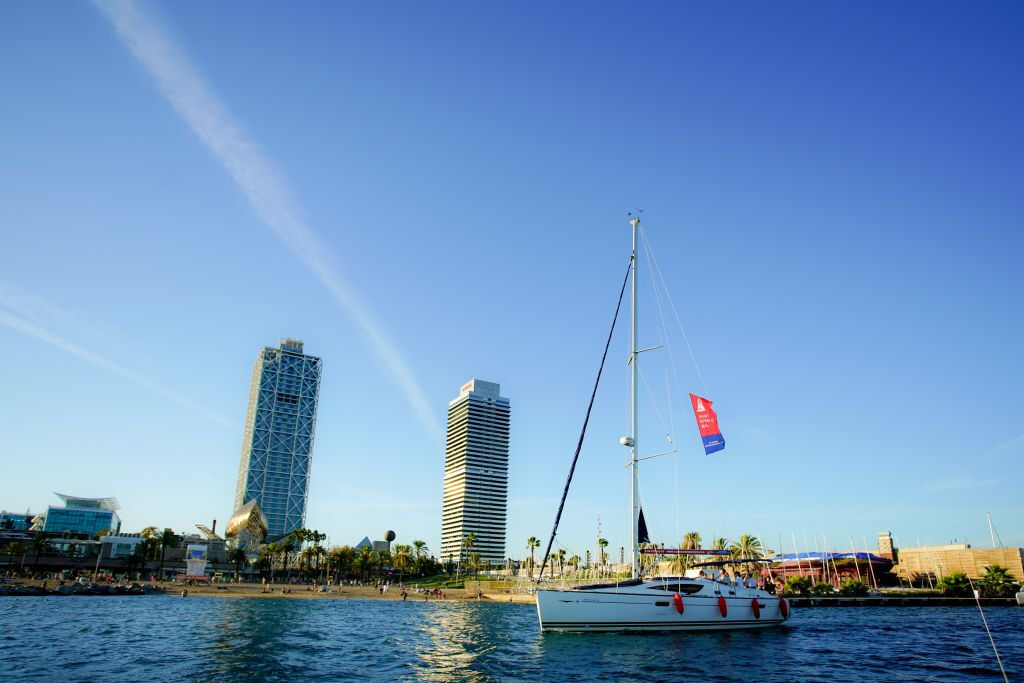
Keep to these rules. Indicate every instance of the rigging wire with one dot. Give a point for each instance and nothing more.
(649, 252)
(586, 419)
(675, 454)
(668, 295)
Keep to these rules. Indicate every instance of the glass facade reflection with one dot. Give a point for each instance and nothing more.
(277, 445)
(81, 516)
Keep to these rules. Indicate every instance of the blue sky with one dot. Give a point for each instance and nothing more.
(426, 194)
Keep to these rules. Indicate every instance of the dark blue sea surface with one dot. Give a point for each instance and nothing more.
(170, 638)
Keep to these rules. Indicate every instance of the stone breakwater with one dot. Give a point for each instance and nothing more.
(81, 589)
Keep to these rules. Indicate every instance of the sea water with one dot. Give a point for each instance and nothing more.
(245, 639)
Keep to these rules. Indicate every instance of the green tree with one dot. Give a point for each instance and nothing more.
(420, 549)
(150, 543)
(853, 589)
(997, 582)
(822, 588)
(798, 585)
(271, 553)
(560, 555)
(532, 543)
(340, 560)
(748, 547)
(39, 544)
(468, 541)
(720, 543)
(166, 540)
(954, 584)
(363, 563)
(403, 559)
(476, 564)
(602, 543)
(306, 559)
(238, 557)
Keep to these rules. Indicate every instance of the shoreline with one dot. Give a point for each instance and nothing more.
(34, 588)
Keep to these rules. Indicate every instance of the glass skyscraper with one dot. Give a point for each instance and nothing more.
(277, 445)
(476, 474)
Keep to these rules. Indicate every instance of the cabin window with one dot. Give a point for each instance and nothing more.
(683, 588)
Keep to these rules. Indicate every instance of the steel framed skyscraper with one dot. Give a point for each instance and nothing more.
(476, 473)
(277, 445)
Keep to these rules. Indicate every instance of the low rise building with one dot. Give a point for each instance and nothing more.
(12, 521)
(935, 561)
(85, 516)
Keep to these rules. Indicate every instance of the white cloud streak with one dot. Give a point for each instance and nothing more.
(30, 329)
(254, 174)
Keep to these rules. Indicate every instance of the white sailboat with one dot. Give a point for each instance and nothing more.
(678, 603)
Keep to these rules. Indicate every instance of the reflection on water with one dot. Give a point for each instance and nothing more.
(456, 637)
(169, 638)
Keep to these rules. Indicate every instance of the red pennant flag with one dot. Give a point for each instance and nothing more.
(707, 423)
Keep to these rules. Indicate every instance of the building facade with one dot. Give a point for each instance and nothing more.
(277, 444)
(929, 563)
(476, 474)
(12, 521)
(85, 516)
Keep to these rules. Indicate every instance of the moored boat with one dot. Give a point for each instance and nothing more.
(693, 602)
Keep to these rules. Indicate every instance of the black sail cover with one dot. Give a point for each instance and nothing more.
(641, 530)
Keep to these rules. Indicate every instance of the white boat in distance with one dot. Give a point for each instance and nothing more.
(687, 603)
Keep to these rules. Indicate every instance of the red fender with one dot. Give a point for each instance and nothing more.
(722, 607)
(784, 608)
(757, 608)
(678, 599)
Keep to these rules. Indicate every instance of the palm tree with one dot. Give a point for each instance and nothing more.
(719, 543)
(150, 543)
(602, 544)
(997, 581)
(340, 560)
(420, 548)
(574, 562)
(561, 560)
(273, 552)
(955, 584)
(691, 541)
(363, 562)
(402, 558)
(38, 544)
(748, 547)
(531, 544)
(475, 564)
(166, 540)
(467, 545)
(306, 558)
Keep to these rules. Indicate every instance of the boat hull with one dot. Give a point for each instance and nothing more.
(634, 611)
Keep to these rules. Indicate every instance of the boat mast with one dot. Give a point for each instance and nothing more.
(635, 490)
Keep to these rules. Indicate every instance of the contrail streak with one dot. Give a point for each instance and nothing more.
(32, 330)
(254, 174)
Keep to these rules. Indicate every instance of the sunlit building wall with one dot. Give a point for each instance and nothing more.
(476, 473)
